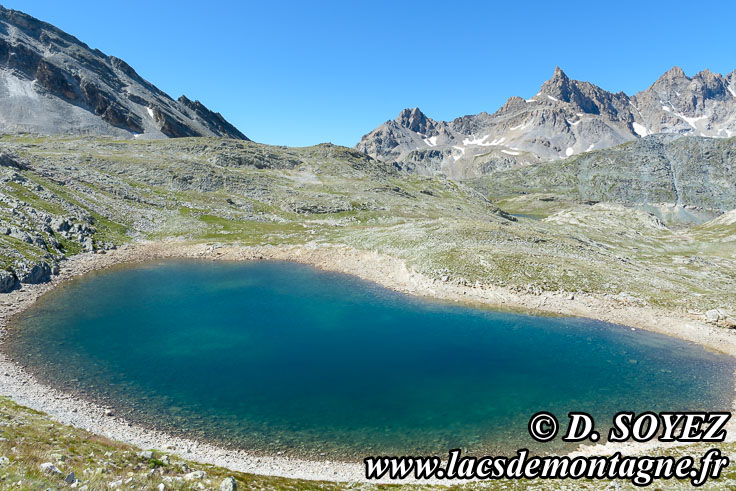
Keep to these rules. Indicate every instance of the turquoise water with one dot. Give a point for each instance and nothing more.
(281, 357)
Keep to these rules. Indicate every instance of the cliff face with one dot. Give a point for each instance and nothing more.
(565, 118)
(52, 83)
(685, 171)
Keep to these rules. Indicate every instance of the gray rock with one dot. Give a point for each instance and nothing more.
(8, 281)
(70, 478)
(4, 461)
(146, 454)
(60, 225)
(195, 475)
(713, 316)
(49, 468)
(37, 273)
(228, 484)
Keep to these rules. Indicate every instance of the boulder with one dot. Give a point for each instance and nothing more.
(60, 225)
(146, 454)
(195, 475)
(8, 281)
(38, 273)
(49, 468)
(228, 484)
(712, 316)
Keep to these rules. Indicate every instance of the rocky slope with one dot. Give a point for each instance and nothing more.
(63, 196)
(681, 178)
(566, 117)
(52, 83)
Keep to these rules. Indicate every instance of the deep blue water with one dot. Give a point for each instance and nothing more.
(274, 356)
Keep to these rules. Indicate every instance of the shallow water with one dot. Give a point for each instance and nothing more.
(282, 357)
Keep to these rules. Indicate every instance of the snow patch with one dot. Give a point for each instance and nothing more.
(590, 147)
(569, 151)
(665, 108)
(553, 98)
(509, 152)
(462, 152)
(150, 112)
(514, 128)
(431, 141)
(640, 129)
(573, 124)
(730, 89)
(531, 100)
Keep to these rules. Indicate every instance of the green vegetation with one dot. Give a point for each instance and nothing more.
(210, 190)
(29, 438)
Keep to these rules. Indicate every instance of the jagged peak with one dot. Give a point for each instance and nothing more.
(415, 120)
(708, 76)
(410, 112)
(510, 103)
(560, 86)
(672, 73)
(559, 74)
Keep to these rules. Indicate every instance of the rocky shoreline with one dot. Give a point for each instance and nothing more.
(17, 384)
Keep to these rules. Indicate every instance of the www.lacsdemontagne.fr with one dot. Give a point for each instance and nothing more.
(640, 470)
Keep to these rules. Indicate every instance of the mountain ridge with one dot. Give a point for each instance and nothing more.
(566, 117)
(52, 83)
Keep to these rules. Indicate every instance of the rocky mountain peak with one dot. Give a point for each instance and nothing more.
(673, 73)
(560, 86)
(512, 103)
(52, 83)
(415, 120)
(567, 117)
(559, 74)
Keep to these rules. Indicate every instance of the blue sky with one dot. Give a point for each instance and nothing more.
(301, 73)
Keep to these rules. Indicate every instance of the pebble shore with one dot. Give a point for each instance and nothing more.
(20, 386)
